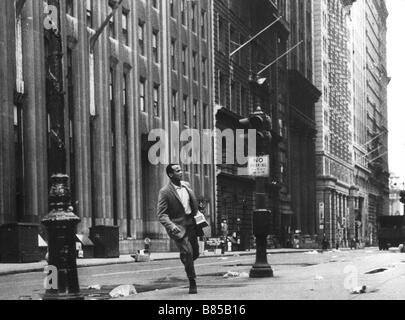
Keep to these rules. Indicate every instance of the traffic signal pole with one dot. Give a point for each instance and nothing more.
(261, 227)
(261, 215)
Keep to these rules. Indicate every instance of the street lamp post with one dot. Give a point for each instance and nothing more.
(61, 222)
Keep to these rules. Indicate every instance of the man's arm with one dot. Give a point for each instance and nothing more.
(163, 214)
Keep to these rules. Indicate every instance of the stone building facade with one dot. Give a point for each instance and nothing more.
(150, 68)
(335, 185)
(370, 116)
(238, 91)
(303, 95)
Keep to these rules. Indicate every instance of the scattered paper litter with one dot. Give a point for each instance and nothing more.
(231, 274)
(359, 290)
(123, 291)
(311, 252)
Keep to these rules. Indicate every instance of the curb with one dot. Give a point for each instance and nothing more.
(87, 265)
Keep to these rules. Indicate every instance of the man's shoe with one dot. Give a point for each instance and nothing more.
(193, 287)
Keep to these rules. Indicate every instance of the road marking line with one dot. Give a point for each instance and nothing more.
(161, 269)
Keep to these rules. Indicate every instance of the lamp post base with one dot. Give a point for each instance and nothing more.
(261, 271)
(261, 268)
(62, 297)
(62, 281)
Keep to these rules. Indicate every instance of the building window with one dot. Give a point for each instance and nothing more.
(193, 17)
(156, 100)
(155, 46)
(125, 24)
(204, 71)
(184, 60)
(195, 62)
(173, 54)
(243, 100)
(222, 89)
(281, 127)
(19, 55)
(203, 24)
(111, 23)
(183, 12)
(125, 102)
(195, 112)
(234, 99)
(141, 37)
(172, 9)
(221, 34)
(112, 104)
(89, 13)
(174, 105)
(70, 7)
(142, 95)
(19, 157)
(70, 101)
(185, 104)
(205, 117)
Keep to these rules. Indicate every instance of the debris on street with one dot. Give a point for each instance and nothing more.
(123, 291)
(319, 278)
(234, 274)
(376, 271)
(139, 257)
(359, 290)
(94, 287)
(311, 252)
(231, 274)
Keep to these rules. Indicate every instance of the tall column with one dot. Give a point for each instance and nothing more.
(334, 213)
(328, 200)
(7, 83)
(348, 219)
(345, 215)
(35, 117)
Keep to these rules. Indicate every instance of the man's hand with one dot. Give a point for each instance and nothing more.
(175, 230)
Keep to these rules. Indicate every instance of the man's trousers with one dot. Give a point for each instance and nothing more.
(189, 250)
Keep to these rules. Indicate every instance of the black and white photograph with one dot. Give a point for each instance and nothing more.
(202, 154)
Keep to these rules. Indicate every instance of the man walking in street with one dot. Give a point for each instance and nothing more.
(177, 206)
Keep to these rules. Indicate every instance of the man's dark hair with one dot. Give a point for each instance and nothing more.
(169, 168)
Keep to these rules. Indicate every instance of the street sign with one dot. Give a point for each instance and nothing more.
(321, 210)
(259, 166)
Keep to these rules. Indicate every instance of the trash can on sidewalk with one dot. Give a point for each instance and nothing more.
(19, 243)
(106, 241)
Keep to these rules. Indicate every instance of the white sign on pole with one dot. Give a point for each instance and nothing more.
(259, 166)
(321, 215)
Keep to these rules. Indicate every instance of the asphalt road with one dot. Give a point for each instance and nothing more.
(297, 276)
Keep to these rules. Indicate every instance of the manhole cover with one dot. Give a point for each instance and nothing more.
(376, 271)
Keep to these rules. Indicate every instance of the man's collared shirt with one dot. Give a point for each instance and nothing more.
(184, 197)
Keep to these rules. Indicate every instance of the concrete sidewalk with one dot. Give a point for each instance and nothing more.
(6, 269)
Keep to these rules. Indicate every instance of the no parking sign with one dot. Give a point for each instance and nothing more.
(259, 166)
